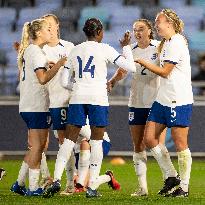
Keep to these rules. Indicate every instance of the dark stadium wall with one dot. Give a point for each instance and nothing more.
(13, 130)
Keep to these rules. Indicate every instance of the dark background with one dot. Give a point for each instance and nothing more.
(13, 135)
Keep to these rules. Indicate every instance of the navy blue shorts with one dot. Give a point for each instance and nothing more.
(58, 117)
(36, 120)
(138, 116)
(97, 115)
(179, 116)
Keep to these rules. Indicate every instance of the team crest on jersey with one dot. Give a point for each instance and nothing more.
(154, 56)
(131, 116)
(62, 55)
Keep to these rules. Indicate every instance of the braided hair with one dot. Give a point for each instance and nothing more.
(177, 23)
(92, 27)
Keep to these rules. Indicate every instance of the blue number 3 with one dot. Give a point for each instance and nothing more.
(88, 67)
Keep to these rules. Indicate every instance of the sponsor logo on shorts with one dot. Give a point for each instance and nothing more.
(131, 116)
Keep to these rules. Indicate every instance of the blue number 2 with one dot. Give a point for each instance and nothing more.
(88, 67)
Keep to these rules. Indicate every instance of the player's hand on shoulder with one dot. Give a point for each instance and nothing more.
(110, 85)
(126, 39)
(62, 61)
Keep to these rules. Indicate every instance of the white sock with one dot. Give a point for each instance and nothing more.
(166, 153)
(83, 166)
(70, 168)
(33, 179)
(23, 172)
(164, 161)
(96, 157)
(184, 161)
(100, 180)
(44, 167)
(140, 164)
(63, 156)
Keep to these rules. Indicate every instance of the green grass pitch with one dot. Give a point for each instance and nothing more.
(126, 176)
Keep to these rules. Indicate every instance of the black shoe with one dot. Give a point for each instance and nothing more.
(169, 184)
(92, 193)
(180, 193)
(52, 189)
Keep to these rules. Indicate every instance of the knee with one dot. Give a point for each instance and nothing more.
(148, 140)
(180, 146)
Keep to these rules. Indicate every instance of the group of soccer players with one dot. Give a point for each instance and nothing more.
(161, 96)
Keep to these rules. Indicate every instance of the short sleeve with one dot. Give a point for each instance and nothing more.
(111, 54)
(173, 51)
(39, 60)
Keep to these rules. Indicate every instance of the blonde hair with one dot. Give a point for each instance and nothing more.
(148, 24)
(30, 30)
(56, 20)
(172, 17)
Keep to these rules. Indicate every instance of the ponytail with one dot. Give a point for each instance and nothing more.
(29, 32)
(161, 45)
(24, 44)
(178, 24)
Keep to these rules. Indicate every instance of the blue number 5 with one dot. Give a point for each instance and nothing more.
(88, 67)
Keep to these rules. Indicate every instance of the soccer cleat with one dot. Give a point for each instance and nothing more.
(2, 173)
(52, 189)
(37, 192)
(68, 191)
(92, 193)
(180, 193)
(79, 188)
(169, 184)
(140, 192)
(16, 188)
(113, 182)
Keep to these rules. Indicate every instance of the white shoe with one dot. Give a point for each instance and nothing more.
(140, 192)
(68, 191)
(2, 173)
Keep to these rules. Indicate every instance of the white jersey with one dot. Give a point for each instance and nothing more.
(33, 95)
(59, 96)
(89, 61)
(176, 89)
(144, 84)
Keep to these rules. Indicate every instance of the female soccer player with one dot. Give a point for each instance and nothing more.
(144, 86)
(58, 95)
(173, 104)
(89, 98)
(34, 102)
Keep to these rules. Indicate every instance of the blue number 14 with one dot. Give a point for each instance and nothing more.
(88, 67)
